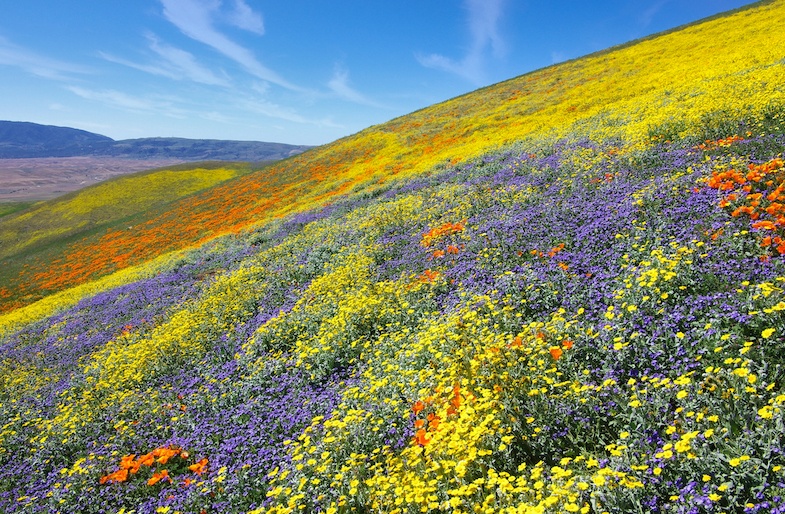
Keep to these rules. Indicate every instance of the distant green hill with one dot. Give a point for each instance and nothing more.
(26, 140)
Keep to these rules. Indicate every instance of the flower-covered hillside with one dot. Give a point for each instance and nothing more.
(580, 329)
(31, 237)
(586, 321)
(698, 81)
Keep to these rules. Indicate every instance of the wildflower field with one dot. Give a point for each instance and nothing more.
(563, 293)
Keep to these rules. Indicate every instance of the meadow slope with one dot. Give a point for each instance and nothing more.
(562, 293)
(700, 82)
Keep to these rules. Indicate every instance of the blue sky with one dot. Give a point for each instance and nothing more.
(294, 71)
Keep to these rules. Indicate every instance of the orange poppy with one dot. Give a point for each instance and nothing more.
(420, 437)
(200, 467)
(556, 353)
(158, 476)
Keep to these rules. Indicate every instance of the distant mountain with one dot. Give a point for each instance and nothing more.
(19, 139)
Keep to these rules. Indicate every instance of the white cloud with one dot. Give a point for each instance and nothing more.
(483, 18)
(173, 63)
(217, 117)
(195, 19)
(243, 17)
(36, 64)
(339, 84)
(274, 110)
(120, 100)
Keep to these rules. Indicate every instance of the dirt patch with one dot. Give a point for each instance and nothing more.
(24, 180)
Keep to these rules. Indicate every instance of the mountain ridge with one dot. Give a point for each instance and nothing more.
(23, 139)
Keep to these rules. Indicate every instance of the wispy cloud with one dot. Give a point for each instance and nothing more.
(273, 110)
(557, 57)
(339, 84)
(196, 19)
(173, 63)
(243, 17)
(120, 100)
(37, 64)
(648, 15)
(483, 18)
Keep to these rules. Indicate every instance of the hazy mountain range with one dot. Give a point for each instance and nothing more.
(20, 139)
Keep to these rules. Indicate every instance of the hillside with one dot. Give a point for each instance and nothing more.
(31, 140)
(561, 293)
(117, 203)
(24, 139)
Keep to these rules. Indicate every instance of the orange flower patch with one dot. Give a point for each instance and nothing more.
(437, 233)
(756, 194)
(423, 425)
(719, 143)
(455, 401)
(420, 437)
(556, 249)
(200, 467)
(158, 476)
(428, 276)
(131, 465)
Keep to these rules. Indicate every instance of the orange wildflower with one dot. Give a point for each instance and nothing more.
(164, 454)
(556, 249)
(567, 344)
(418, 406)
(428, 276)
(121, 475)
(765, 225)
(200, 467)
(147, 459)
(158, 476)
(443, 230)
(420, 437)
(455, 402)
(556, 353)
(128, 461)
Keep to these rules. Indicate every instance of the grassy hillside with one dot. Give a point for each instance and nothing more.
(46, 229)
(562, 293)
(7, 208)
